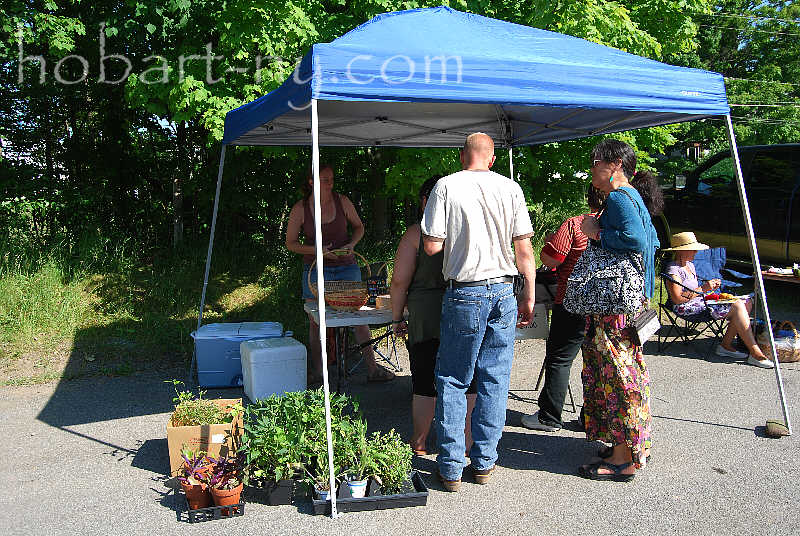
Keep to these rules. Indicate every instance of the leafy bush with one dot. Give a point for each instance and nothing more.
(285, 437)
(191, 411)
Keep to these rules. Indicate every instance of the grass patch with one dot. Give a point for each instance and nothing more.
(58, 322)
(41, 303)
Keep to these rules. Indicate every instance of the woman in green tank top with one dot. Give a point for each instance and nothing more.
(417, 282)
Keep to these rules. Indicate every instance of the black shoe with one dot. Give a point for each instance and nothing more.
(534, 423)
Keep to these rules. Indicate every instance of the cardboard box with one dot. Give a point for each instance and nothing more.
(214, 439)
(539, 328)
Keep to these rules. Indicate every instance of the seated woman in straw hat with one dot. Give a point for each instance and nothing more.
(690, 302)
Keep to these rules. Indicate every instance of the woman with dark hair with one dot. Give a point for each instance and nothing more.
(646, 183)
(417, 282)
(337, 212)
(616, 381)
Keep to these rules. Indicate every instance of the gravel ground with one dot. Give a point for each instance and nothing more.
(90, 457)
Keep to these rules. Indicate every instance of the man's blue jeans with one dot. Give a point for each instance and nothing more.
(477, 338)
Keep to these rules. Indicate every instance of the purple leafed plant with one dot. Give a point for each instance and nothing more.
(226, 472)
(195, 468)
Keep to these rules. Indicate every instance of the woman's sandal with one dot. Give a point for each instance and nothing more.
(591, 471)
(381, 375)
(607, 452)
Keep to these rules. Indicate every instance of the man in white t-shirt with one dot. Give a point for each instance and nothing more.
(474, 216)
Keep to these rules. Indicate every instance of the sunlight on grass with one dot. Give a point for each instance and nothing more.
(41, 303)
(243, 297)
(57, 322)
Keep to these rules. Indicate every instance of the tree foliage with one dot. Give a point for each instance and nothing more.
(756, 46)
(139, 157)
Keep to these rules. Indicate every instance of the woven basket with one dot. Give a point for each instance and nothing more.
(787, 348)
(343, 295)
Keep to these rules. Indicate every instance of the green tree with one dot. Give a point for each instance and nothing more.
(756, 46)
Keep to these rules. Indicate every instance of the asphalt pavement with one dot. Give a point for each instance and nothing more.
(90, 457)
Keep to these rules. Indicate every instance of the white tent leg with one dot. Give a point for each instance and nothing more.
(193, 366)
(756, 266)
(321, 299)
(511, 163)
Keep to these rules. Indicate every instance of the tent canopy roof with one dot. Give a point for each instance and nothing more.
(428, 77)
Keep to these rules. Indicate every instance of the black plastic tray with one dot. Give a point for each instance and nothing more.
(374, 500)
(271, 492)
(213, 512)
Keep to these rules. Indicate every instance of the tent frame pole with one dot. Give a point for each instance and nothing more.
(751, 242)
(511, 163)
(193, 365)
(321, 301)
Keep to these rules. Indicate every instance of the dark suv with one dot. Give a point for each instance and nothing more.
(709, 203)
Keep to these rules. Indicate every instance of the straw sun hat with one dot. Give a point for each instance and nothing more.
(685, 242)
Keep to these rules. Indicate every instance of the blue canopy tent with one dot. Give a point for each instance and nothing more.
(424, 78)
(430, 77)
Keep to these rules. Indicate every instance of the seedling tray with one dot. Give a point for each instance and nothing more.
(375, 500)
(214, 512)
(271, 492)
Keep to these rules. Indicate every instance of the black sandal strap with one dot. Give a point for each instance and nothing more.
(592, 471)
(616, 468)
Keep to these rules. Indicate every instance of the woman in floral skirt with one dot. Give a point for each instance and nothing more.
(616, 382)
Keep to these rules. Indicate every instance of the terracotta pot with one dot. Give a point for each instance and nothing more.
(197, 495)
(225, 497)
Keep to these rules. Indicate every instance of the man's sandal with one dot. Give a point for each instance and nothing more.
(607, 452)
(591, 471)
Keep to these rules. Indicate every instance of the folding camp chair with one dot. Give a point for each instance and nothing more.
(687, 328)
(710, 264)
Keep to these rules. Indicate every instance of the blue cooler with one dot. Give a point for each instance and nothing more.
(219, 363)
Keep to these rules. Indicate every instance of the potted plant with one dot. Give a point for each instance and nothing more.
(272, 443)
(191, 410)
(318, 471)
(394, 465)
(194, 479)
(225, 482)
(284, 441)
(362, 459)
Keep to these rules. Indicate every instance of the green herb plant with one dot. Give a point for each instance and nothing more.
(191, 411)
(284, 437)
(362, 459)
(395, 458)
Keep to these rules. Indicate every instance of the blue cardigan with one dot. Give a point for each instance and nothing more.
(628, 228)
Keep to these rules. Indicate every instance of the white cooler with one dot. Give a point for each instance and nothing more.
(273, 366)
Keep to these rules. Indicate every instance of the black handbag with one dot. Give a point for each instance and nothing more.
(606, 282)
